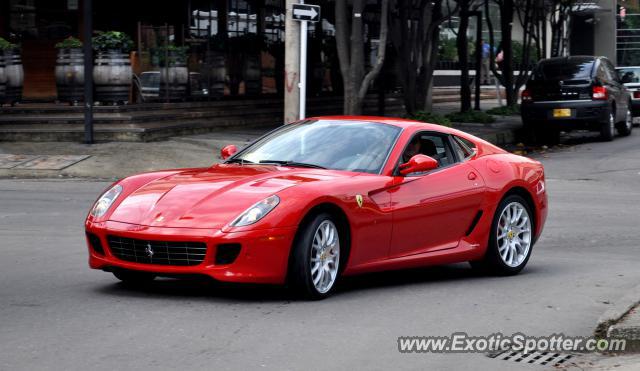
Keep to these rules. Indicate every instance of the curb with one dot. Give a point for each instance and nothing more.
(615, 313)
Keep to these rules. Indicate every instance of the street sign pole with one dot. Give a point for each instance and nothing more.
(304, 14)
(303, 69)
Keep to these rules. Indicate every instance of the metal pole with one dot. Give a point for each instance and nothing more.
(291, 65)
(303, 68)
(478, 58)
(88, 70)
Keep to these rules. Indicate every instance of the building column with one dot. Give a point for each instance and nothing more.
(604, 35)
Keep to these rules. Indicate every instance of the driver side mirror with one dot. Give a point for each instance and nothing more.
(228, 151)
(417, 164)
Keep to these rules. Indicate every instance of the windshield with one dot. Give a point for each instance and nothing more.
(629, 74)
(341, 145)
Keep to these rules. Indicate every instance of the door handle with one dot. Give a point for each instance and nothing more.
(472, 176)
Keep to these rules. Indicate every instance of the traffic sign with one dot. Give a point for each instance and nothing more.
(304, 12)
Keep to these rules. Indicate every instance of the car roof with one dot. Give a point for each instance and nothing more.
(399, 122)
(570, 59)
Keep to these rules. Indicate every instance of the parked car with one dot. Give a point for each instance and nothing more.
(577, 92)
(630, 77)
(321, 198)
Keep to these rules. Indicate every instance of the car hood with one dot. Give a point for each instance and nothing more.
(209, 198)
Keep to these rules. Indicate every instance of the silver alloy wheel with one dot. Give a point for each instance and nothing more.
(325, 256)
(628, 120)
(612, 124)
(514, 234)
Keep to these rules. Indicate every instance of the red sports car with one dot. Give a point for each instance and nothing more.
(325, 197)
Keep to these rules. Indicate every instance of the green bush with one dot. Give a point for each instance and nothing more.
(518, 51)
(69, 43)
(430, 117)
(471, 116)
(112, 40)
(6, 45)
(176, 54)
(505, 110)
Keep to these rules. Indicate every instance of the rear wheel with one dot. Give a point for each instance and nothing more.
(133, 277)
(511, 238)
(625, 127)
(607, 130)
(315, 265)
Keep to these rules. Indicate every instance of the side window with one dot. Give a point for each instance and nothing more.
(434, 145)
(611, 71)
(463, 147)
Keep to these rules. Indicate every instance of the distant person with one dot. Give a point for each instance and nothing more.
(484, 70)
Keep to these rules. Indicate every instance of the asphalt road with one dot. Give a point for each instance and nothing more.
(56, 313)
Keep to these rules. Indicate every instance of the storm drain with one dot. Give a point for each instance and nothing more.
(534, 358)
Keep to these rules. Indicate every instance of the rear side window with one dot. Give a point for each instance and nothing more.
(564, 71)
(463, 147)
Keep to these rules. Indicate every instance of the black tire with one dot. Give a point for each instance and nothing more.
(607, 129)
(134, 277)
(625, 127)
(300, 277)
(492, 263)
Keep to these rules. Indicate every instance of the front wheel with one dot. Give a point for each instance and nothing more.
(511, 238)
(315, 264)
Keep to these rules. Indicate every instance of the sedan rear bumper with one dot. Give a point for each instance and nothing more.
(585, 114)
(263, 256)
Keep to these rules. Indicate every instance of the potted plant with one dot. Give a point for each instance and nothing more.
(70, 70)
(13, 71)
(174, 74)
(112, 73)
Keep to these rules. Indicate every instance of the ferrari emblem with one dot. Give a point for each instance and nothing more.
(149, 251)
(359, 200)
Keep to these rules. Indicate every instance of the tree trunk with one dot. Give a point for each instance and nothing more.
(506, 17)
(462, 42)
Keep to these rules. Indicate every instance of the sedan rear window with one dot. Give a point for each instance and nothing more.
(564, 71)
(629, 74)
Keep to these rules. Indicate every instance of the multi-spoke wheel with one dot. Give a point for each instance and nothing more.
(511, 238)
(315, 265)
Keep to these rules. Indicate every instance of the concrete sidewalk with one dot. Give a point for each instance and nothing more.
(114, 160)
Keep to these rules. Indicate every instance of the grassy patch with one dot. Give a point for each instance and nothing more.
(471, 116)
(431, 118)
(505, 110)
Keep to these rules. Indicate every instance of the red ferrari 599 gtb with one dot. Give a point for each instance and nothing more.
(322, 198)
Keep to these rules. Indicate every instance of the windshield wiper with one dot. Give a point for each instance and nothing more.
(238, 161)
(291, 163)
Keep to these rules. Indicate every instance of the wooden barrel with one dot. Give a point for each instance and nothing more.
(252, 74)
(112, 76)
(174, 79)
(3, 79)
(214, 73)
(14, 73)
(70, 75)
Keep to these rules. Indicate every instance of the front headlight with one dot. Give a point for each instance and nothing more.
(256, 212)
(105, 201)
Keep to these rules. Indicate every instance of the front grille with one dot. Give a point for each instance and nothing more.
(157, 252)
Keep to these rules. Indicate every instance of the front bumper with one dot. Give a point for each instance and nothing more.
(263, 257)
(586, 114)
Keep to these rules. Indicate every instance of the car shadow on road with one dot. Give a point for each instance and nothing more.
(206, 289)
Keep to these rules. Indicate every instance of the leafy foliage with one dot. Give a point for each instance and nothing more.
(430, 117)
(6, 45)
(172, 53)
(471, 116)
(112, 40)
(505, 110)
(69, 43)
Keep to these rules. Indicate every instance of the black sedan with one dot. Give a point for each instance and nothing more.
(576, 93)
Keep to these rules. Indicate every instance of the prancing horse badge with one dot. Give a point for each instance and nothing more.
(359, 200)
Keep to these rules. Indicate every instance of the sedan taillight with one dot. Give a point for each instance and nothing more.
(636, 94)
(599, 93)
(526, 96)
